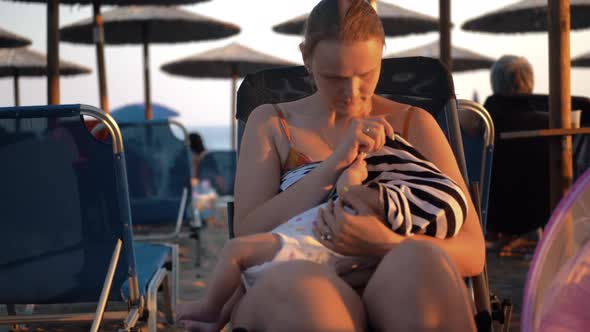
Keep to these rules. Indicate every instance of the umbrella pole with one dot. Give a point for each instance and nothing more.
(232, 119)
(444, 29)
(100, 63)
(52, 52)
(559, 98)
(16, 89)
(146, 73)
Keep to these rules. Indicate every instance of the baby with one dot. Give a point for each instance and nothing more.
(415, 196)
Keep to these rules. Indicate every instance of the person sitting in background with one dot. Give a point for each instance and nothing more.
(519, 201)
(204, 194)
(197, 148)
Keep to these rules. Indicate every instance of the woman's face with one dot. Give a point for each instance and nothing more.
(346, 74)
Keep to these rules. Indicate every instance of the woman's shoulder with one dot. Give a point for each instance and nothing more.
(399, 113)
(262, 113)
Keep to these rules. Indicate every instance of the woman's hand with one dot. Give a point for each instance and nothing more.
(363, 135)
(351, 227)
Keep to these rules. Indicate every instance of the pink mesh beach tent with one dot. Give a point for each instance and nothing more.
(557, 291)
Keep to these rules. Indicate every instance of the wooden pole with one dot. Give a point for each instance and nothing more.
(53, 52)
(149, 115)
(100, 63)
(445, 33)
(232, 116)
(561, 168)
(16, 89)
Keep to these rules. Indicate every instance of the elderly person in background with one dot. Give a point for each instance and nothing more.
(512, 74)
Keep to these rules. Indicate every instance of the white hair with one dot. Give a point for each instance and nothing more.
(512, 74)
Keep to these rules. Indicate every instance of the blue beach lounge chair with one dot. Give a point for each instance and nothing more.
(66, 224)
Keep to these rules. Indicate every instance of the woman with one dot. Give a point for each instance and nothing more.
(342, 51)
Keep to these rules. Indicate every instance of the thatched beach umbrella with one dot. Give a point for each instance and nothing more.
(527, 16)
(53, 39)
(17, 62)
(231, 61)
(397, 21)
(150, 24)
(463, 59)
(9, 39)
(581, 60)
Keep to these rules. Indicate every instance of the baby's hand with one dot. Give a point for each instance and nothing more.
(355, 174)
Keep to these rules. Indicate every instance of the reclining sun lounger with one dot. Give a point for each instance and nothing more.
(66, 224)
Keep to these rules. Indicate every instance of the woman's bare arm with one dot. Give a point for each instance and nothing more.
(259, 207)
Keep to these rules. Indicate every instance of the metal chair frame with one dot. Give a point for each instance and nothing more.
(136, 303)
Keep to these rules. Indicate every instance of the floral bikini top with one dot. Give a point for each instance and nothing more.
(295, 158)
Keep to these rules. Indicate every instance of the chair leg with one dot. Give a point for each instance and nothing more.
(173, 270)
(175, 277)
(168, 306)
(152, 299)
(196, 235)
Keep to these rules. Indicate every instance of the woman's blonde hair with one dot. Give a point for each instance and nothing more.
(341, 20)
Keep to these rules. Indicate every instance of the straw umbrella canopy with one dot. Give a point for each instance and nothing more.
(581, 60)
(9, 39)
(17, 62)
(231, 61)
(463, 59)
(53, 39)
(397, 21)
(527, 16)
(150, 24)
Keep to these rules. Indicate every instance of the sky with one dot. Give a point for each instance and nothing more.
(206, 102)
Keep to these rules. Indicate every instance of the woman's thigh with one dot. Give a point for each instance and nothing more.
(416, 287)
(300, 296)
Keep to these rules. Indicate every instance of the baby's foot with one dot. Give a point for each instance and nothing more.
(197, 311)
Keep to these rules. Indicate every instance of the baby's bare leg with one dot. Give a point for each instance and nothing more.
(237, 255)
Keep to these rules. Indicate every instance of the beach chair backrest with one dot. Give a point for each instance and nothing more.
(159, 169)
(64, 206)
(419, 81)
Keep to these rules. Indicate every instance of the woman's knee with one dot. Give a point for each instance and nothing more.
(417, 286)
(303, 296)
